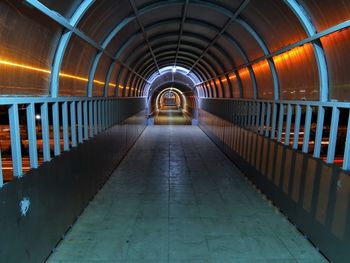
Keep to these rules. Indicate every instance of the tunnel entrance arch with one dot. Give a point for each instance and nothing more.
(179, 84)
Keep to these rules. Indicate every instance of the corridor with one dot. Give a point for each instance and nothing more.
(176, 198)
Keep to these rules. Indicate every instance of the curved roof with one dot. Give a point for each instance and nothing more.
(266, 49)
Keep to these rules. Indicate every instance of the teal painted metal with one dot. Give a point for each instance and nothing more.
(65, 126)
(297, 127)
(333, 135)
(15, 140)
(45, 131)
(73, 123)
(56, 128)
(319, 131)
(32, 141)
(307, 127)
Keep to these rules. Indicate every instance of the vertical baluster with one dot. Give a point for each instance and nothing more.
(56, 128)
(297, 126)
(333, 135)
(307, 127)
(95, 120)
(280, 123)
(288, 124)
(262, 118)
(65, 126)
(319, 131)
(73, 129)
(86, 119)
(32, 142)
(15, 140)
(91, 119)
(268, 119)
(45, 132)
(274, 120)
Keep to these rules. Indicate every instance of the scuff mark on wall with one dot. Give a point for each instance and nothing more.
(24, 206)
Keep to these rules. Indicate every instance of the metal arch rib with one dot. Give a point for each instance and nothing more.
(266, 51)
(62, 45)
(310, 30)
(144, 33)
(184, 15)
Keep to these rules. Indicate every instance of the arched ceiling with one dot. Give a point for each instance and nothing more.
(213, 39)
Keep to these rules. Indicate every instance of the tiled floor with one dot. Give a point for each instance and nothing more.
(177, 198)
(171, 116)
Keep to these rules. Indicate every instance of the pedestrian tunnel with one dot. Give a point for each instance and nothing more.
(267, 81)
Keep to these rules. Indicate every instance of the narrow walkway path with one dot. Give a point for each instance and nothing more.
(171, 116)
(177, 198)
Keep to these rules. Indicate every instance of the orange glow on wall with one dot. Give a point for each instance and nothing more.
(262, 65)
(293, 53)
(244, 72)
(47, 71)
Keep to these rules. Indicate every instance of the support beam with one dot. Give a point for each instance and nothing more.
(184, 15)
(144, 33)
(310, 29)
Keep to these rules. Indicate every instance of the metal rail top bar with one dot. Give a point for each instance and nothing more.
(28, 100)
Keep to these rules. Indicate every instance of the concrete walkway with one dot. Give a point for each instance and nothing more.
(171, 116)
(177, 198)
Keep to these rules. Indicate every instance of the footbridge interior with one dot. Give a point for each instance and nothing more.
(174, 131)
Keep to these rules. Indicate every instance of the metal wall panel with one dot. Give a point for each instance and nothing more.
(311, 193)
(102, 17)
(326, 13)
(336, 48)
(58, 191)
(76, 62)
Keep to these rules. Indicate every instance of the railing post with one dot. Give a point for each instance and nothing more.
(73, 122)
(262, 118)
(297, 126)
(280, 123)
(288, 124)
(45, 131)
(333, 135)
(268, 119)
(65, 126)
(274, 120)
(32, 141)
(86, 120)
(15, 140)
(307, 127)
(56, 128)
(319, 132)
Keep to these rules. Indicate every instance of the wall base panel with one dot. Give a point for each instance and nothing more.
(58, 191)
(312, 194)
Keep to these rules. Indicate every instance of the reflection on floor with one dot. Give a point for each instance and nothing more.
(177, 198)
(171, 116)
